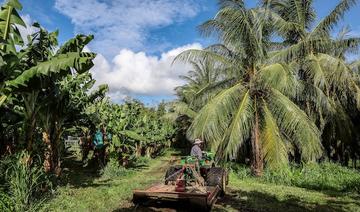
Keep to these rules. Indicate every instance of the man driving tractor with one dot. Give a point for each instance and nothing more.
(196, 149)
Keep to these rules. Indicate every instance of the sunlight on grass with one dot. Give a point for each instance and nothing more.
(106, 195)
(250, 194)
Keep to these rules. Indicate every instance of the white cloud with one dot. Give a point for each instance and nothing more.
(119, 24)
(136, 73)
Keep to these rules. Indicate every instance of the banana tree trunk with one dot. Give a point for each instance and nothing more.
(257, 162)
(29, 137)
(138, 147)
(31, 111)
(148, 151)
(48, 165)
(51, 138)
(56, 150)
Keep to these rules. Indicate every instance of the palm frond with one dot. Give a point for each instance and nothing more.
(316, 96)
(315, 71)
(237, 4)
(296, 125)
(355, 66)
(239, 129)
(213, 119)
(197, 55)
(182, 108)
(330, 21)
(279, 76)
(273, 146)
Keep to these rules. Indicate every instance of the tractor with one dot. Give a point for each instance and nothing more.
(198, 182)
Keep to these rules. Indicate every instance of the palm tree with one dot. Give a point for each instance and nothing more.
(200, 84)
(331, 86)
(255, 104)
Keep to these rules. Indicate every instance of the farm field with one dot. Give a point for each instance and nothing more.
(222, 105)
(92, 193)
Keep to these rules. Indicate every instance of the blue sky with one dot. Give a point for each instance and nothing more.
(136, 40)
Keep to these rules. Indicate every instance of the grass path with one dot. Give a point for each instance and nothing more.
(96, 194)
(89, 192)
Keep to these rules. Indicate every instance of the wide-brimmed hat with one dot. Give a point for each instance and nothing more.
(198, 141)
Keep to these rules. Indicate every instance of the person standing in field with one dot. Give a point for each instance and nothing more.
(98, 143)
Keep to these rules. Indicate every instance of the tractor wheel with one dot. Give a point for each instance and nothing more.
(169, 176)
(217, 176)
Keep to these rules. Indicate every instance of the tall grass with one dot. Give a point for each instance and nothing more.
(323, 176)
(112, 170)
(24, 181)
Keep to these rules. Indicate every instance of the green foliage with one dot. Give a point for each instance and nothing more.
(257, 195)
(278, 97)
(258, 100)
(9, 19)
(44, 89)
(323, 176)
(24, 181)
(113, 170)
(107, 194)
(137, 130)
(142, 161)
(79, 61)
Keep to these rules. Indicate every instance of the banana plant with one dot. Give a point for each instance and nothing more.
(9, 20)
(137, 130)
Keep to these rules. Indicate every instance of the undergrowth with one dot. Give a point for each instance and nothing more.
(113, 169)
(323, 176)
(23, 183)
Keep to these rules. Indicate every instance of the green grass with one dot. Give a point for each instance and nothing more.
(90, 192)
(252, 195)
(101, 194)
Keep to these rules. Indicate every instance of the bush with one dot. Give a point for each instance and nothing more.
(323, 176)
(24, 180)
(112, 169)
(328, 176)
(242, 171)
(141, 161)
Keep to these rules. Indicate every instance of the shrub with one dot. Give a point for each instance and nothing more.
(24, 180)
(112, 169)
(282, 175)
(242, 171)
(141, 161)
(328, 176)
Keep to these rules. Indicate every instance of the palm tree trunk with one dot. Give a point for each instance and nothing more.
(257, 162)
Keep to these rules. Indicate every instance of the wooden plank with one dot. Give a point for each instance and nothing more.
(169, 192)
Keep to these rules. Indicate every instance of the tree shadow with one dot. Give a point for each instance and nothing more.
(259, 201)
(77, 175)
(153, 205)
(246, 201)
